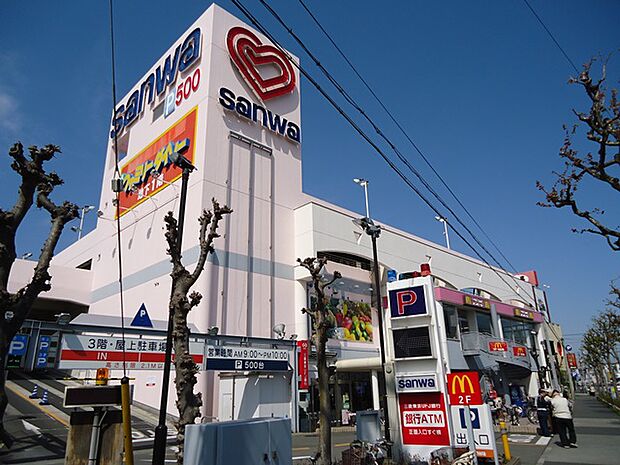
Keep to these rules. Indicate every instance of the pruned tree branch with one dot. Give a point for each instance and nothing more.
(36, 183)
(320, 323)
(188, 401)
(603, 129)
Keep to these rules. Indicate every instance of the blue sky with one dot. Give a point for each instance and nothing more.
(479, 86)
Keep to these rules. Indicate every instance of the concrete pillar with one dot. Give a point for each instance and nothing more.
(374, 380)
(301, 319)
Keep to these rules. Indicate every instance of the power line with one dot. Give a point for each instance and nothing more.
(357, 128)
(395, 149)
(402, 130)
(117, 176)
(551, 35)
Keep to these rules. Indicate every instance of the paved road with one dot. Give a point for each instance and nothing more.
(598, 437)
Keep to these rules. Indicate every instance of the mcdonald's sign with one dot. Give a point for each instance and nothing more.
(464, 388)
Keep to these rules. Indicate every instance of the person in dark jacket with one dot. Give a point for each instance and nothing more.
(543, 407)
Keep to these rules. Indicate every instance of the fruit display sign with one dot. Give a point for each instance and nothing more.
(349, 314)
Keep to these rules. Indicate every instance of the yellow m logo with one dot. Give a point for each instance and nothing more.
(462, 379)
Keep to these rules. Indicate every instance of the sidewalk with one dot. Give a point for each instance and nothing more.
(598, 436)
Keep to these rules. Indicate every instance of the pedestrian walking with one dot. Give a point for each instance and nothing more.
(543, 407)
(563, 420)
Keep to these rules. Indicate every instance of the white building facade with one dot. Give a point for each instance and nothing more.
(233, 98)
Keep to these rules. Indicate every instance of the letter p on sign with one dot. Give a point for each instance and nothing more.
(464, 388)
(405, 298)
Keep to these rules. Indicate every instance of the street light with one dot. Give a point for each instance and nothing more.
(161, 430)
(364, 184)
(374, 231)
(444, 220)
(79, 229)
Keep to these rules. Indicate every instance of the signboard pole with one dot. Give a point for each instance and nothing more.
(493, 443)
(470, 434)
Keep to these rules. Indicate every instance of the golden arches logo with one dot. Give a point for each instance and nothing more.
(462, 380)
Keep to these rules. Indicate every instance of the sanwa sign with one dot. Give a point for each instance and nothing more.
(416, 383)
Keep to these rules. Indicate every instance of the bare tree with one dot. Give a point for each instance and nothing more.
(600, 345)
(36, 184)
(603, 129)
(188, 402)
(320, 323)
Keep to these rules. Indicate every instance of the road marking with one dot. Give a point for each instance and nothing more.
(32, 428)
(35, 403)
(543, 441)
(303, 457)
(301, 448)
(522, 438)
(343, 444)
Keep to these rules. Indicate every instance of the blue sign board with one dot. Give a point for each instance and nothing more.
(19, 344)
(44, 348)
(391, 276)
(475, 418)
(142, 318)
(408, 301)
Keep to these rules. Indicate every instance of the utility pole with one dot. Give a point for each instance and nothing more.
(161, 430)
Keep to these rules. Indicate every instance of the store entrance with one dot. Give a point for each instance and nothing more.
(349, 392)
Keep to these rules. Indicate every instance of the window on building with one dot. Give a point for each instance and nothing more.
(483, 321)
(451, 322)
(463, 321)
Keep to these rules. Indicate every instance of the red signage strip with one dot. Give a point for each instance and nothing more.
(303, 364)
(498, 346)
(464, 388)
(68, 355)
(423, 419)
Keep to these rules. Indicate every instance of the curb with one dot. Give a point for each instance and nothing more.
(615, 408)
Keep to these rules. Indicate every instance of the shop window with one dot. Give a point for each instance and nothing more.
(463, 321)
(484, 323)
(451, 322)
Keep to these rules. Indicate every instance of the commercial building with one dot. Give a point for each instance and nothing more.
(231, 100)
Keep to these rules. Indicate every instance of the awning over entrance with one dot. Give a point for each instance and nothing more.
(359, 364)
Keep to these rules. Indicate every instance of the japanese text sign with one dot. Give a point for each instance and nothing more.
(303, 364)
(464, 388)
(423, 419)
(481, 423)
(152, 169)
(92, 352)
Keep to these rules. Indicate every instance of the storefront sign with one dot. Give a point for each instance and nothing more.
(527, 314)
(464, 388)
(423, 419)
(183, 59)
(249, 55)
(475, 301)
(246, 359)
(303, 364)
(498, 346)
(571, 358)
(92, 352)
(407, 302)
(519, 351)
(484, 437)
(416, 383)
(259, 114)
(19, 344)
(139, 182)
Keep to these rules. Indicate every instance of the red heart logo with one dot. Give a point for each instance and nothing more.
(248, 53)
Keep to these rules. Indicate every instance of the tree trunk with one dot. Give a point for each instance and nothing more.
(188, 402)
(5, 437)
(325, 424)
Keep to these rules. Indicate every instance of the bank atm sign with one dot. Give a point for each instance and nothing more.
(416, 383)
